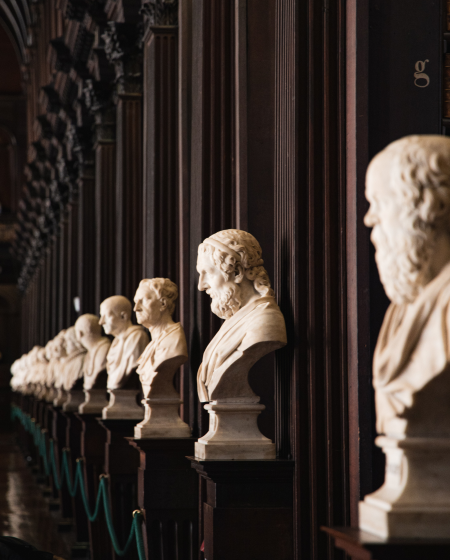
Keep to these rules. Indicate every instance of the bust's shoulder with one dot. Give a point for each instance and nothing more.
(176, 334)
(134, 336)
(265, 323)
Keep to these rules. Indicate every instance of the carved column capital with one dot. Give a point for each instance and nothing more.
(160, 12)
(123, 48)
(79, 146)
(99, 101)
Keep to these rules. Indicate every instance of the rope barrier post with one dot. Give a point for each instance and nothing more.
(62, 478)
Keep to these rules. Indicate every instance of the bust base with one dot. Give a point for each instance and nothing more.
(161, 420)
(74, 399)
(122, 405)
(414, 501)
(234, 433)
(95, 401)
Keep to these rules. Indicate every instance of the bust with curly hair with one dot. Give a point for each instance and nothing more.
(231, 272)
(408, 188)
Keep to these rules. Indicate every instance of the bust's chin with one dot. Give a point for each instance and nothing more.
(401, 287)
(225, 303)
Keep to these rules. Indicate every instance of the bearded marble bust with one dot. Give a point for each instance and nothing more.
(408, 187)
(231, 272)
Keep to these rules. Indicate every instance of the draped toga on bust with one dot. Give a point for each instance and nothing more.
(95, 362)
(259, 321)
(412, 361)
(169, 344)
(123, 355)
(73, 368)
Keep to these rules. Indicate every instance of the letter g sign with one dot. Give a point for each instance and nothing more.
(420, 75)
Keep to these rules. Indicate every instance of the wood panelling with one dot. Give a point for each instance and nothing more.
(160, 251)
(310, 280)
(129, 196)
(105, 206)
(87, 232)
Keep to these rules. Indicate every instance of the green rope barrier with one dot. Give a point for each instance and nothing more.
(38, 435)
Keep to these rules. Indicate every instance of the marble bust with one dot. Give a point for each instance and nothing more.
(167, 351)
(73, 364)
(121, 361)
(49, 373)
(89, 334)
(408, 187)
(41, 371)
(58, 350)
(231, 271)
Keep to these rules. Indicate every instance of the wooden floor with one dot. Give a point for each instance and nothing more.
(24, 512)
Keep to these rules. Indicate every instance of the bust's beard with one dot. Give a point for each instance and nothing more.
(404, 268)
(225, 303)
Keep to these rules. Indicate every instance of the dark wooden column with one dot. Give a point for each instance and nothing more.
(123, 48)
(55, 285)
(98, 96)
(47, 296)
(129, 196)
(87, 235)
(72, 272)
(310, 249)
(161, 249)
(63, 280)
(105, 208)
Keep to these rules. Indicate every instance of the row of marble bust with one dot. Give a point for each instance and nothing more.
(408, 187)
(79, 365)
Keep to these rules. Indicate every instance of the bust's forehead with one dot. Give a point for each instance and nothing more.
(143, 290)
(378, 177)
(106, 306)
(204, 259)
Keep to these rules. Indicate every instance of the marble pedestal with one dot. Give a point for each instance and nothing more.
(161, 420)
(94, 402)
(168, 492)
(60, 398)
(234, 433)
(359, 545)
(414, 501)
(122, 405)
(246, 509)
(74, 399)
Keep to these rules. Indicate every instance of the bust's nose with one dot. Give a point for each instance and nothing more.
(370, 219)
(201, 283)
(102, 321)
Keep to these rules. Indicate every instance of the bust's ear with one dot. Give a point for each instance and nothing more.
(124, 315)
(239, 274)
(163, 301)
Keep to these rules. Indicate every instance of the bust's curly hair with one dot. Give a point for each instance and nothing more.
(250, 253)
(163, 287)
